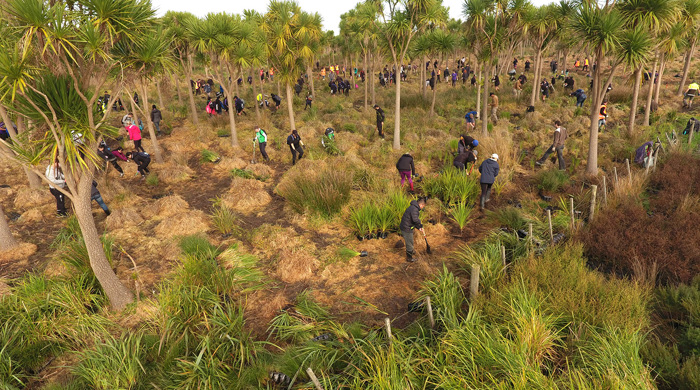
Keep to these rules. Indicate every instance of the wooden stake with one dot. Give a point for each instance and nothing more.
(605, 191)
(387, 322)
(549, 220)
(690, 139)
(571, 207)
(594, 191)
(629, 171)
(530, 236)
(615, 170)
(474, 285)
(430, 312)
(311, 374)
(503, 254)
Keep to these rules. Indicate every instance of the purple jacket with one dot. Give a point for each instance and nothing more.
(642, 152)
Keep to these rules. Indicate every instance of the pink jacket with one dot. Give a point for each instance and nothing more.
(134, 133)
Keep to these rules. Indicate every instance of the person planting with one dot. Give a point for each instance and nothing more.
(406, 169)
(466, 143)
(489, 170)
(558, 145)
(380, 120)
(410, 221)
(142, 160)
(261, 137)
(295, 146)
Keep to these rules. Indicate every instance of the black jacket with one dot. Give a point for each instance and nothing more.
(94, 191)
(156, 116)
(411, 218)
(141, 158)
(292, 140)
(405, 163)
(380, 115)
(465, 157)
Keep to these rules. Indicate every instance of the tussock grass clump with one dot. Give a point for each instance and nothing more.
(452, 186)
(322, 192)
(460, 213)
(208, 156)
(379, 215)
(551, 180)
(224, 219)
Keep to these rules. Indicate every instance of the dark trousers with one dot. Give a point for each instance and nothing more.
(116, 166)
(60, 201)
(263, 145)
(408, 239)
(294, 154)
(485, 193)
(459, 165)
(560, 156)
(308, 104)
(143, 167)
(379, 128)
(137, 146)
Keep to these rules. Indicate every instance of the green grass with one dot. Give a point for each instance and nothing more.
(208, 156)
(325, 194)
(460, 213)
(152, 179)
(551, 180)
(224, 219)
(452, 186)
(246, 174)
(379, 215)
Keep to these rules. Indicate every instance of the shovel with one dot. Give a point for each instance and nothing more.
(253, 160)
(427, 246)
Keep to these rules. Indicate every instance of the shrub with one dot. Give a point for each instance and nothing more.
(323, 193)
(379, 215)
(122, 358)
(551, 180)
(509, 217)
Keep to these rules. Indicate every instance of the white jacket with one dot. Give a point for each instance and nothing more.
(55, 176)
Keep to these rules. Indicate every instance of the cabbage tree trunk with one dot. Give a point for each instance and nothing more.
(290, 107)
(7, 241)
(650, 95)
(686, 66)
(151, 131)
(635, 99)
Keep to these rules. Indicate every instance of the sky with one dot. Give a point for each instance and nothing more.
(329, 10)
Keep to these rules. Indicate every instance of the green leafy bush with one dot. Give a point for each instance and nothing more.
(379, 215)
(452, 186)
(208, 156)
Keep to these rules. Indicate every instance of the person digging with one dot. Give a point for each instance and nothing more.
(410, 221)
(489, 170)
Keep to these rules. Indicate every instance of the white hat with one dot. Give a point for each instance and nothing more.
(494, 156)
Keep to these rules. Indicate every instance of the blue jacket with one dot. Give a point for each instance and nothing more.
(489, 170)
(474, 113)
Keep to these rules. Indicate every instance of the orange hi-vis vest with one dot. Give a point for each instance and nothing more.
(603, 113)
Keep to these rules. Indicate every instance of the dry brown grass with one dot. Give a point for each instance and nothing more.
(4, 289)
(171, 172)
(294, 256)
(19, 253)
(27, 198)
(183, 224)
(164, 207)
(246, 195)
(123, 218)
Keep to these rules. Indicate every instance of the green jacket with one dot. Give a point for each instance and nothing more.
(261, 136)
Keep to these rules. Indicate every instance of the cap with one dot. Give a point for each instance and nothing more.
(494, 156)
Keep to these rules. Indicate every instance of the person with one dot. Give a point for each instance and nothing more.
(527, 65)
(97, 197)
(466, 143)
(465, 157)
(277, 100)
(494, 107)
(454, 78)
(569, 83)
(409, 221)
(472, 82)
(240, 106)
(333, 87)
(218, 106)
(136, 99)
(522, 78)
(585, 65)
(690, 94)
(692, 125)
(135, 136)
(142, 159)
(496, 83)
(156, 117)
(577, 64)
(309, 100)
(602, 115)
(511, 74)
(380, 120)
(4, 132)
(295, 146)
(261, 137)
(323, 73)
(517, 88)
(470, 117)
(544, 89)
(643, 153)
(489, 170)
(580, 97)
(104, 152)
(554, 66)
(406, 169)
(558, 145)
(56, 180)
(127, 120)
